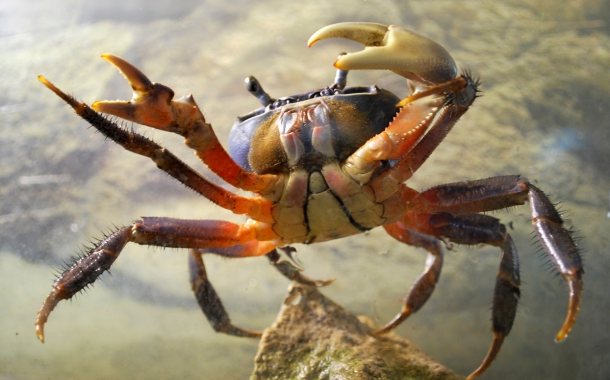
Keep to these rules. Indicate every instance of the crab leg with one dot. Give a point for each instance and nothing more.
(285, 265)
(292, 272)
(256, 208)
(436, 212)
(425, 230)
(210, 302)
(424, 286)
(153, 105)
(481, 195)
(469, 229)
(208, 299)
(161, 232)
(502, 192)
(504, 305)
(560, 247)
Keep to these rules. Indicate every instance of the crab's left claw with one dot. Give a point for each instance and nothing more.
(394, 48)
(153, 104)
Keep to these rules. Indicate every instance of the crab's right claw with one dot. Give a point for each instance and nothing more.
(394, 48)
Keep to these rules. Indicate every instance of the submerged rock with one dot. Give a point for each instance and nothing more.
(315, 338)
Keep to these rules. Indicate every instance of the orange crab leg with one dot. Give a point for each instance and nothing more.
(256, 208)
(411, 122)
(153, 105)
(388, 182)
(161, 232)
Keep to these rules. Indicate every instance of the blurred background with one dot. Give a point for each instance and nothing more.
(544, 114)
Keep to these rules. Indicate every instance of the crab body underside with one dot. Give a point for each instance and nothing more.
(327, 164)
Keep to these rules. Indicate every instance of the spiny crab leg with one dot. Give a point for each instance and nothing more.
(562, 250)
(258, 238)
(257, 208)
(153, 105)
(394, 48)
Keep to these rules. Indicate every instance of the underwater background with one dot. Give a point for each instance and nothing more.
(544, 114)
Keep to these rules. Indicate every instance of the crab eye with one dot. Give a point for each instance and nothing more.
(254, 87)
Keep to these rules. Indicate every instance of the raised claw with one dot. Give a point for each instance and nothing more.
(152, 103)
(394, 48)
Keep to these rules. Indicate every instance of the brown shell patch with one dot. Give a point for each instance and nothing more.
(351, 128)
(267, 154)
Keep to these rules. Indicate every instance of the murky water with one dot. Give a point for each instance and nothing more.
(544, 115)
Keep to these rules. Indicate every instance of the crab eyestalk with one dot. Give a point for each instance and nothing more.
(394, 48)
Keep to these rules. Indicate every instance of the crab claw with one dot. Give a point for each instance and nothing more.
(394, 48)
(152, 103)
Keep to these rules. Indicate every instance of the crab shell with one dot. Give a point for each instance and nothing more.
(347, 121)
(309, 140)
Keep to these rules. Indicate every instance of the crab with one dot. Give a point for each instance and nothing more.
(324, 165)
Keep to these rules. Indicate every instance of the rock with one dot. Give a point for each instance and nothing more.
(315, 338)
